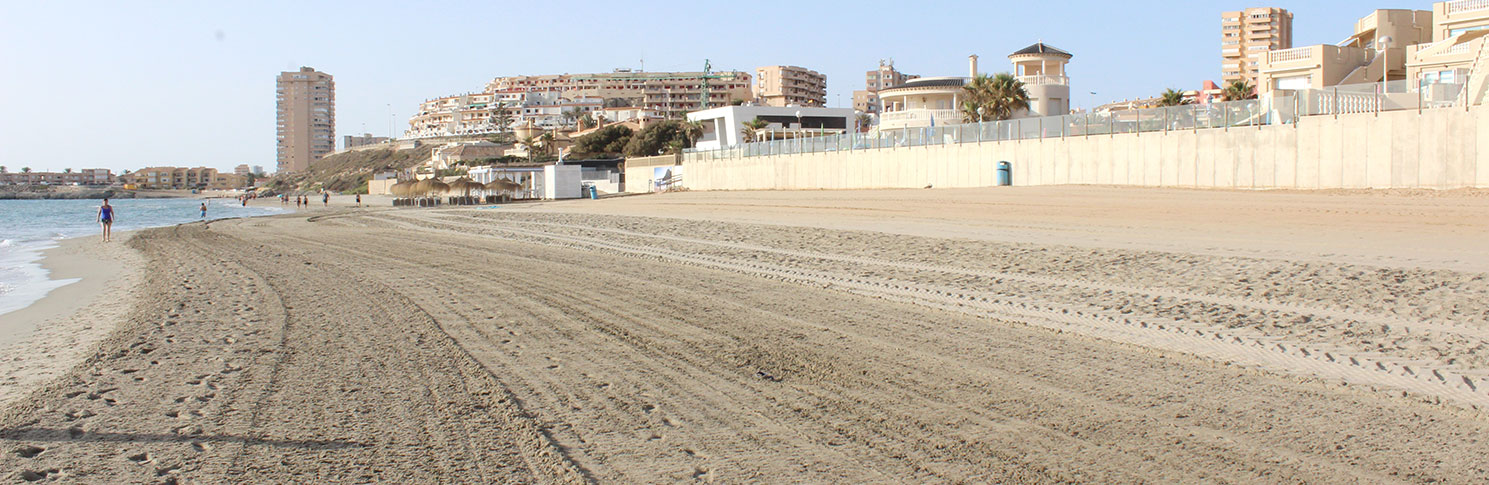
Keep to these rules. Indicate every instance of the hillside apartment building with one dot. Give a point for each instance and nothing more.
(305, 121)
(783, 86)
(1246, 36)
(543, 100)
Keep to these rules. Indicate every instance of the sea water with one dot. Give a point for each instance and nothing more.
(27, 227)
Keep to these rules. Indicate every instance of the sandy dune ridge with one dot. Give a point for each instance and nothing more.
(535, 346)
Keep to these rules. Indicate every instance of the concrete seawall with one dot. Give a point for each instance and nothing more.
(1438, 149)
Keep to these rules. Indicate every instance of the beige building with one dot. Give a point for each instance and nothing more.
(867, 100)
(1375, 52)
(87, 176)
(227, 181)
(178, 178)
(1452, 67)
(1041, 68)
(1246, 36)
(669, 93)
(366, 139)
(790, 86)
(306, 118)
(241, 169)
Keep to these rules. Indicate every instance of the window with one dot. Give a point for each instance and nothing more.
(1467, 29)
(1295, 82)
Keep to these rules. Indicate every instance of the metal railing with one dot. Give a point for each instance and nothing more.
(1283, 108)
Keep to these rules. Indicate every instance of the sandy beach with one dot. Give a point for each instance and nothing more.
(47, 338)
(1023, 335)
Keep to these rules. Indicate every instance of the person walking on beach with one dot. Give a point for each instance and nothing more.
(359, 200)
(106, 218)
(204, 210)
(326, 199)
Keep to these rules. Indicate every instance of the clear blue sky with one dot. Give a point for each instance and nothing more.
(124, 85)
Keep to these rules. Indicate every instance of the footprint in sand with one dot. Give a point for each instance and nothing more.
(34, 475)
(29, 451)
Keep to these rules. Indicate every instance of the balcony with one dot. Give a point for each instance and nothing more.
(919, 117)
(1044, 80)
(1464, 6)
(1290, 55)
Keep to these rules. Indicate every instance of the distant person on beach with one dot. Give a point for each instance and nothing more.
(204, 210)
(106, 218)
(359, 200)
(325, 198)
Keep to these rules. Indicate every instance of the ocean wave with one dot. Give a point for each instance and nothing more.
(5, 243)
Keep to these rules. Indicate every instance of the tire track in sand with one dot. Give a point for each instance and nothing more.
(1460, 386)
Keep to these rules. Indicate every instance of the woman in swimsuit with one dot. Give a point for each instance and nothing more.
(106, 217)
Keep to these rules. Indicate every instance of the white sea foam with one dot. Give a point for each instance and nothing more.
(28, 227)
(22, 279)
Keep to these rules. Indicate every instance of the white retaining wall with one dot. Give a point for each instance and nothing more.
(1438, 148)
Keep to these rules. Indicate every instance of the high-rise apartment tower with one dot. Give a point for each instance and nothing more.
(305, 101)
(790, 86)
(867, 100)
(1247, 35)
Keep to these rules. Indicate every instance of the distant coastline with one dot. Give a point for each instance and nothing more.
(30, 192)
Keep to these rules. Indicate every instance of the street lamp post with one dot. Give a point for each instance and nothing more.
(1383, 44)
(799, 129)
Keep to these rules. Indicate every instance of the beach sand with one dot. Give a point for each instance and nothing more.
(1037, 335)
(47, 338)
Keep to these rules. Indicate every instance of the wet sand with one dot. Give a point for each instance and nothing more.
(1032, 336)
(48, 337)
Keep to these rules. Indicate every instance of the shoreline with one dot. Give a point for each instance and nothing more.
(54, 333)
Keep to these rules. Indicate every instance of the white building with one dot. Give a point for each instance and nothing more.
(724, 127)
(936, 101)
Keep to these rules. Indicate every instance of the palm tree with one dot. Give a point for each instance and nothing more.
(2, 169)
(975, 94)
(1173, 97)
(864, 122)
(586, 122)
(691, 132)
(1238, 90)
(571, 117)
(996, 97)
(752, 128)
(530, 144)
(25, 169)
(66, 170)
